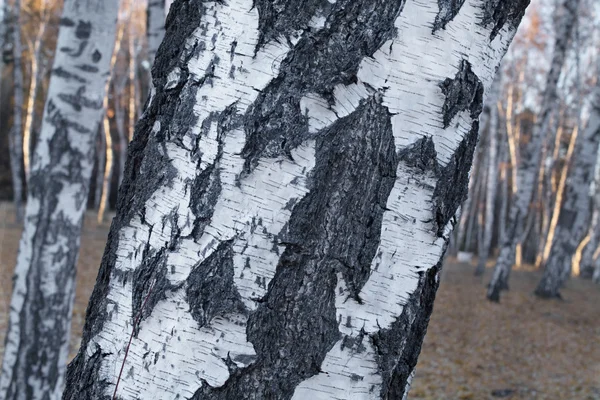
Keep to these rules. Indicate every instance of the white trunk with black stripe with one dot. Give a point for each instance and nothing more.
(40, 313)
(288, 198)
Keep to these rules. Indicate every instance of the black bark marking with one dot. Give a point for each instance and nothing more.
(397, 347)
(421, 155)
(275, 123)
(75, 53)
(66, 22)
(61, 72)
(453, 181)
(448, 10)
(498, 13)
(334, 228)
(78, 100)
(464, 92)
(83, 30)
(87, 68)
(96, 56)
(210, 290)
(281, 19)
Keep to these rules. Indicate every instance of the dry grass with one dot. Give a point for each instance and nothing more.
(523, 348)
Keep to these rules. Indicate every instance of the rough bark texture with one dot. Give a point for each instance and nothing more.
(155, 27)
(573, 223)
(40, 313)
(288, 197)
(530, 153)
(492, 174)
(15, 134)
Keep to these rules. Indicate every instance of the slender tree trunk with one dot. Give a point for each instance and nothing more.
(281, 195)
(505, 194)
(40, 312)
(588, 258)
(37, 74)
(109, 155)
(492, 174)
(16, 138)
(100, 144)
(575, 214)
(121, 132)
(155, 27)
(530, 156)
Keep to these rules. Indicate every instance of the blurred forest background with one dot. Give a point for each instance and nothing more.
(525, 346)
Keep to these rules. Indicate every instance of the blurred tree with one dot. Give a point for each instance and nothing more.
(44, 286)
(575, 214)
(155, 29)
(288, 198)
(531, 153)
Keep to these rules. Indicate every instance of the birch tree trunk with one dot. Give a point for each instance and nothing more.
(530, 156)
(588, 257)
(575, 214)
(492, 174)
(155, 27)
(40, 311)
(16, 138)
(287, 203)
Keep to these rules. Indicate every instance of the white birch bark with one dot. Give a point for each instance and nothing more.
(492, 173)
(530, 154)
(40, 312)
(575, 214)
(287, 203)
(155, 27)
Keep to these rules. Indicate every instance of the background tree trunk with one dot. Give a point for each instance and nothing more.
(155, 27)
(290, 194)
(530, 157)
(16, 138)
(40, 311)
(575, 214)
(492, 174)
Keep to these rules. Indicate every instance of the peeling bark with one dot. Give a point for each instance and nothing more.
(531, 151)
(289, 195)
(40, 312)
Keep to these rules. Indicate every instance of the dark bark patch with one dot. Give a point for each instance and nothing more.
(334, 228)
(497, 13)
(281, 19)
(421, 155)
(67, 22)
(397, 347)
(210, 289)
(96, 56)
(83, 377)
(83, 30)
(463, 92)
(448, 10)
(62, 73)
(150, 285)
(453, 181)
(275, 123)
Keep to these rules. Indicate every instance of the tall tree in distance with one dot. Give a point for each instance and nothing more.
(287, 204)
(44, 285)
(15, 135)
(575, 214)
(492, 172)
(155, 27)
(531, 152)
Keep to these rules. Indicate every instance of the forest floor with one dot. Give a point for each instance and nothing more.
(523, 348)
